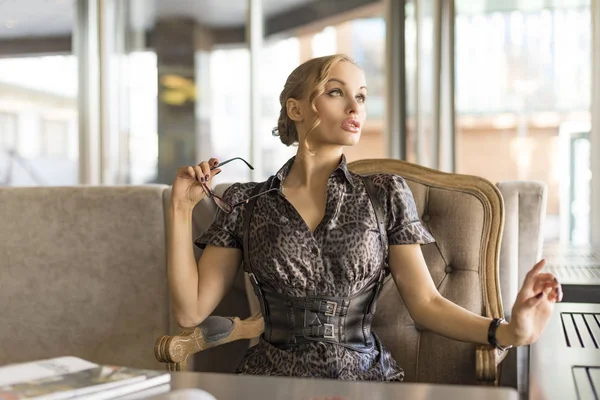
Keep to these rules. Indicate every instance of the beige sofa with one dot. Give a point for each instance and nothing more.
(83, 272)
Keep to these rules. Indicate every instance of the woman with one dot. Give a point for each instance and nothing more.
(313, 243)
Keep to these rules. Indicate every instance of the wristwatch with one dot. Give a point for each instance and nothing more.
(492, 334)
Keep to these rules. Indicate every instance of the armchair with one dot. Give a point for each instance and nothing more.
(466, 215)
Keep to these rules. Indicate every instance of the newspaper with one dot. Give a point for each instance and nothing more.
(72, 377)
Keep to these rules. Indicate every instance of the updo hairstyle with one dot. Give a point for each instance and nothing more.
(310, 79)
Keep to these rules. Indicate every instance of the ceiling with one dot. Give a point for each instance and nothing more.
(221, 13)
(30, 18)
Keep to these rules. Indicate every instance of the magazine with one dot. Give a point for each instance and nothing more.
(179, 394)
(72, 377)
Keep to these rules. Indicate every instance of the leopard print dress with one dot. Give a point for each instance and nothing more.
(339, 258)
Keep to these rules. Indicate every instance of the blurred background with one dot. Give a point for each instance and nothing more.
(125, 91)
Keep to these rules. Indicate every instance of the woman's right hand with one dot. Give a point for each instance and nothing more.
(187, 189)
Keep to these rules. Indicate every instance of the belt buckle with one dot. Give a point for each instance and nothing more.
(333, 305)
(329, 328)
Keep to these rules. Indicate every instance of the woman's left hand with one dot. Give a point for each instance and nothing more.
(534, 304)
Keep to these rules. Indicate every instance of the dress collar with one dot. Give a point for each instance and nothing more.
(342, 169)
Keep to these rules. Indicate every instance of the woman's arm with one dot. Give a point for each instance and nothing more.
(196, 290)
(432, 311)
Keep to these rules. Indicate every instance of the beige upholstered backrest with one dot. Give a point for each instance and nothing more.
(525, 206)
(522, 242)
(465, 215)
(83, 273)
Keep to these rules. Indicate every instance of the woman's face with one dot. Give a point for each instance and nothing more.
(341, 108)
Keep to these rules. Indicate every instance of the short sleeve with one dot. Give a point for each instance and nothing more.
(403, 224)
(226, 230)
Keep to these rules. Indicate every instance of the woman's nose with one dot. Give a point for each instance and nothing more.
(352, 107)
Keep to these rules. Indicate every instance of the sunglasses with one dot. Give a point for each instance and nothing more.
(223, 204)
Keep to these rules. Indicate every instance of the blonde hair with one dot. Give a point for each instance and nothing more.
(308, 79)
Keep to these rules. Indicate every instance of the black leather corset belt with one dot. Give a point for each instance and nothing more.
(346, 321)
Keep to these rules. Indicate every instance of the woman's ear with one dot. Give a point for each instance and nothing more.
(293, 110)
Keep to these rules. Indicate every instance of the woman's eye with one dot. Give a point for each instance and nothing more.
(335, 92)
(361, 98)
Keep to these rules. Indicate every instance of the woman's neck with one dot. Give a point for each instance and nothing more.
(309, 170)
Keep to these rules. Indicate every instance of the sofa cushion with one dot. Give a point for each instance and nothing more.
(83, 273)
(455, 219)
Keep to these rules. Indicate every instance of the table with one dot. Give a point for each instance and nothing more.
(228, 387)
(565, 361)
(578, 271)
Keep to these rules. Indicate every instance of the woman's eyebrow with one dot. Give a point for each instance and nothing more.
(342, 82)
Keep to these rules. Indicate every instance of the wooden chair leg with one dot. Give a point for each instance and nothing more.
(488, 364)
(173, 367)
(174, 350)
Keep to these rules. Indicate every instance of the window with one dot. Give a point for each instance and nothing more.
(522, 79)
(43, 129)
(55, 136)
(8, 131)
